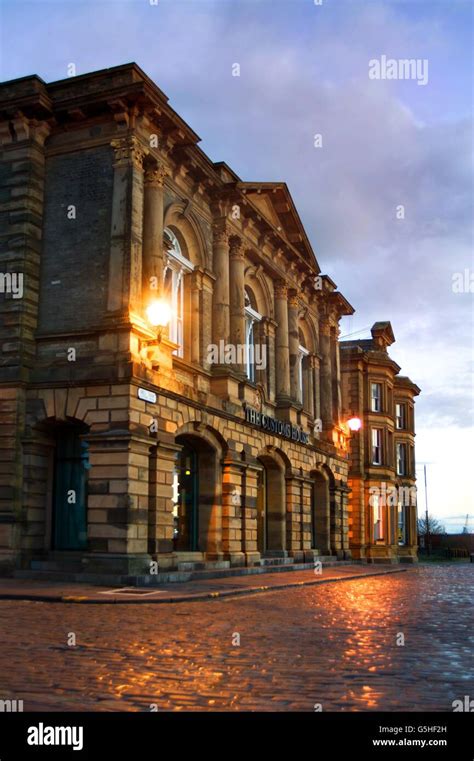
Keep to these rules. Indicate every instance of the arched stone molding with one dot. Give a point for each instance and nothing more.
(256, 281)
(187, 229)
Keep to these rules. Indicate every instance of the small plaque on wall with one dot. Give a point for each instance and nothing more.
(147, 396)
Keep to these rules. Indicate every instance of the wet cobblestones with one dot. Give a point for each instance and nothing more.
(334, 645)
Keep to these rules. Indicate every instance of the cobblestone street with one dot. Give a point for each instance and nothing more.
(333, 644)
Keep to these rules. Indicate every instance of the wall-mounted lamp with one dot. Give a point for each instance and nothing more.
(158, 314)
(354, 423)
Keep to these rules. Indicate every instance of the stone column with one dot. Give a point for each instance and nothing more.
(310, 376)
(316, 386)
(293, 517)
(208, 281)
(249, 515)
(306, 519)
(282, 345)
(345, 491)
(118, 503)
(322, 515)
(23, 171)
(335, 521)
(195, 316)
(232, 497)
(339, 520)
(155, 174)
(125, 261)
(267, 332)
(221, 296)
(336, 375)
(326, 377)
(293, 340)
(237, 295)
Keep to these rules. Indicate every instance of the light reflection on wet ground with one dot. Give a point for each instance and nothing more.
(332, 644)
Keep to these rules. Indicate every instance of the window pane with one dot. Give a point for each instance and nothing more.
(401, 459)
(376, 394)
(376, 446)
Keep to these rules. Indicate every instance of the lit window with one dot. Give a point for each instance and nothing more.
(400, 416)
(376, 397)
(402, 524)
(176, 267)
(377, 513)
(401, 459)
(376, 446)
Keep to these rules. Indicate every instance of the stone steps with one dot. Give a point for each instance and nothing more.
(171, 576)
(269, 562)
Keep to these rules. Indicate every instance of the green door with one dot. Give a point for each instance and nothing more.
(69, 491)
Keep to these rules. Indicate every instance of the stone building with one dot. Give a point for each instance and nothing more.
(382, 475)
(170, 385)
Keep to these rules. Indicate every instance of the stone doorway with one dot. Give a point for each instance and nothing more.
(271, 526)
(195, 479)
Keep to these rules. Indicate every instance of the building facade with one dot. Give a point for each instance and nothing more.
(382, 478)
(170, 380)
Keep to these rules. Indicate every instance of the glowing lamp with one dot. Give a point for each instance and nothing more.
(158, 313)
(354, 423)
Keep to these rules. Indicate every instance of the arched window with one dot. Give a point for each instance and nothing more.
(252, 318)
(174, 277)
(303, 370)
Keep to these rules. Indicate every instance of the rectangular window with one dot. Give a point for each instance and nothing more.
(377, 519)
(376, 446)
(400, 416)
(401, 459)
(376, 397)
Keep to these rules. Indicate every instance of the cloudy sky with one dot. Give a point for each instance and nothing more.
(385, 144)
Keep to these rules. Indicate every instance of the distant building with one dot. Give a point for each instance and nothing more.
(383, 516)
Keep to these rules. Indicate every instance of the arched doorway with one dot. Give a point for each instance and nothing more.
(271, 509)
(194, 495)
(321, 513)
(71, 465)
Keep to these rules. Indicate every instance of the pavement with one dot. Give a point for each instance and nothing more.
(394, 641)
(206, 589)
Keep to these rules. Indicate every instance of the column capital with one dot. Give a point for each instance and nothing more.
(128, 151)
(155, 174)
(236, 247)
(324, 329)
(293, 300)
(220, 232)
(281, 290)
